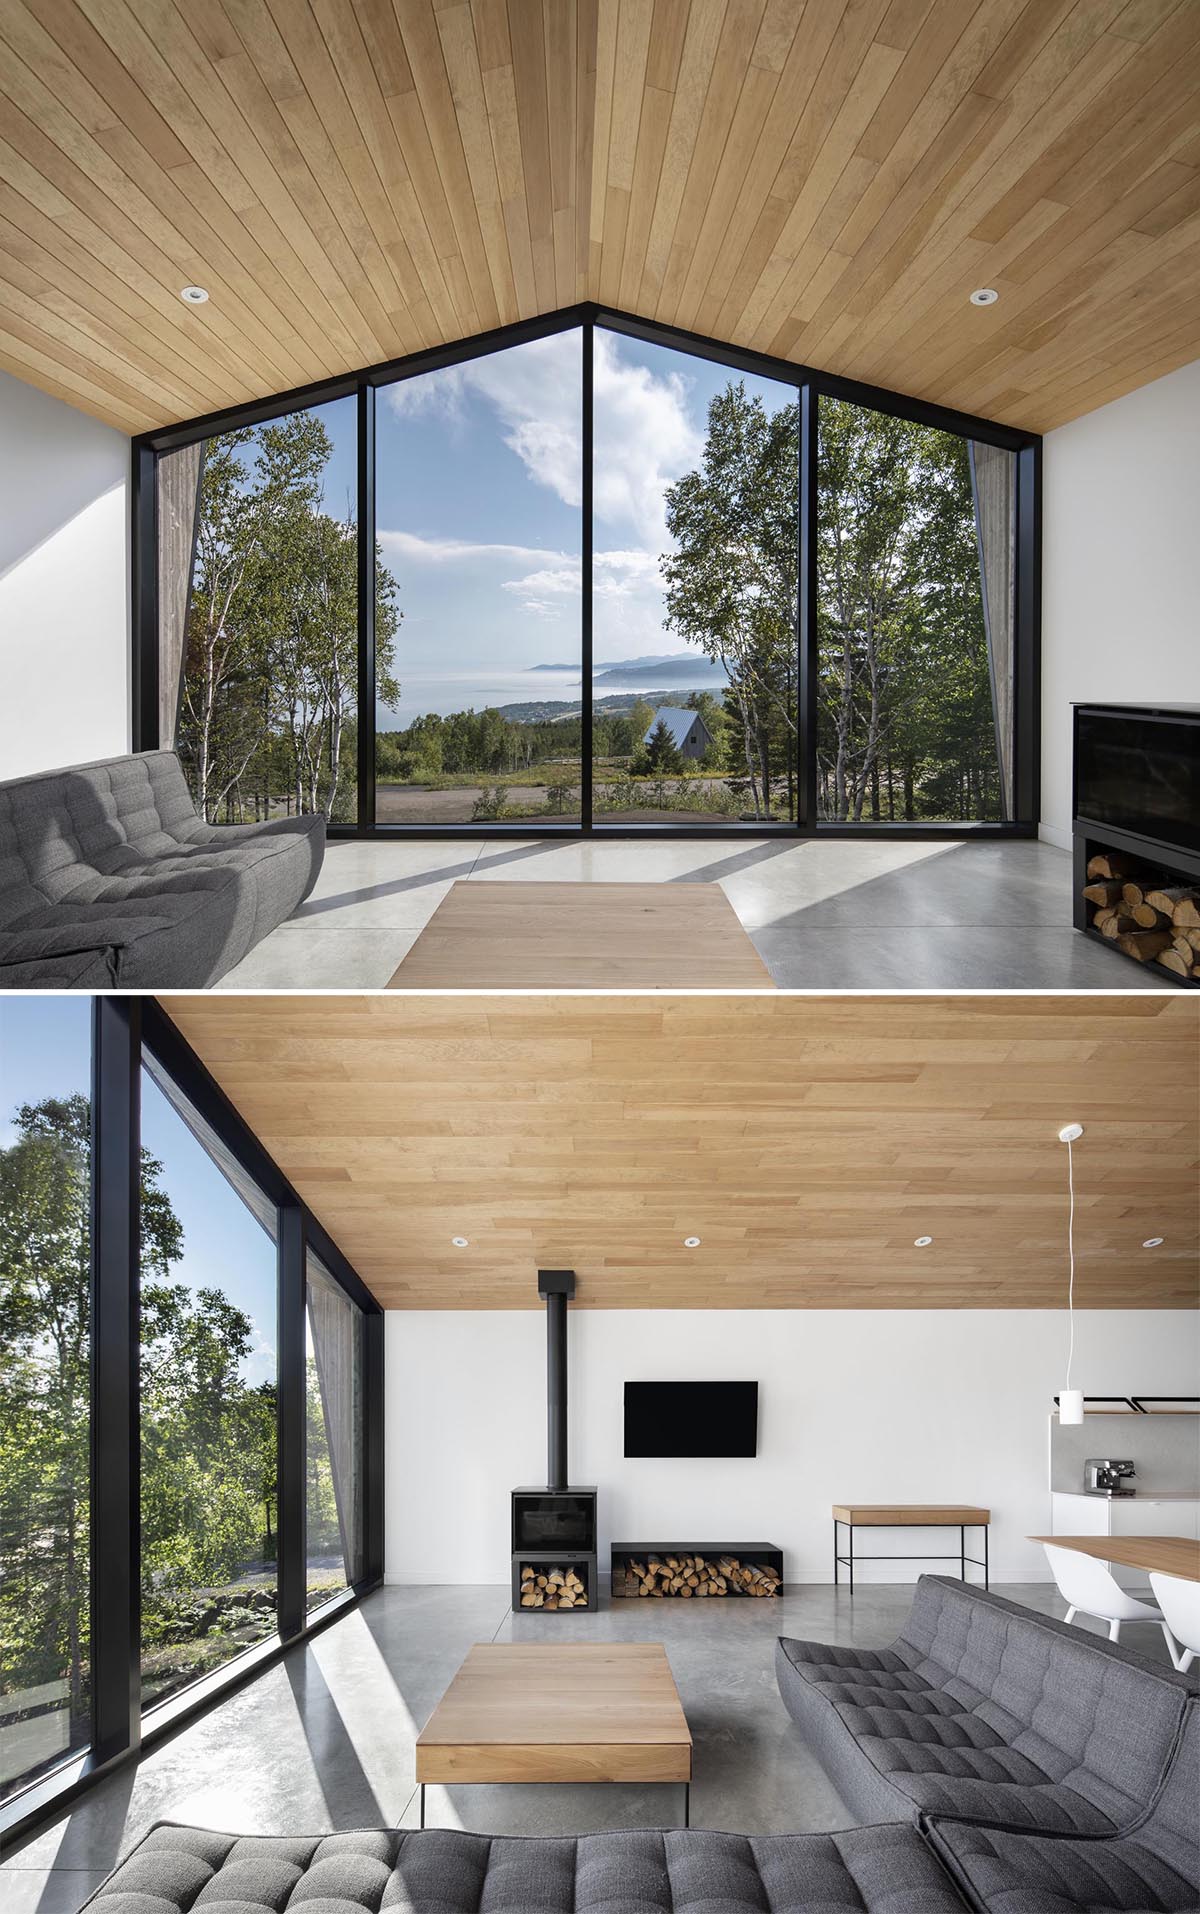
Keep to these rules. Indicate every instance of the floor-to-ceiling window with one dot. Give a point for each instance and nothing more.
(189, 1412)
(333, 1463)
(780, 626)
(258, 616)
(478, 491)
(45, 1347)
(695, 589)
(915, 621)
(209, 1397)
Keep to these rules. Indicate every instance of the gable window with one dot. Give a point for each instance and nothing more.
(591, 574)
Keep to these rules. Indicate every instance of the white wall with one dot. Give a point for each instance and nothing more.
(64, 569)
(1120, 567)
(873, 1405)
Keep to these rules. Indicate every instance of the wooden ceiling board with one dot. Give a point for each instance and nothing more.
(354, 180)
(807, 1140)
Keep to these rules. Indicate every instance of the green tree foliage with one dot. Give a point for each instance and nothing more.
(270, 690)
(905, 727)
(731, 584)
(662, 754)
(208, 1502)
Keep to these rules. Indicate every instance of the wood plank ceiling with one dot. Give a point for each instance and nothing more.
(806, 1140)
(355, 179)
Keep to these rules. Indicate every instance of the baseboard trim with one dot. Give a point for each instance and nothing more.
(1050, 834)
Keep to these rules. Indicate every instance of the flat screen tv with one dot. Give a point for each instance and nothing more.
(691, 1418)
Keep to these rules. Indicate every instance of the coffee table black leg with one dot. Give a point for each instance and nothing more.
(687, 1804)
(962, 1553)
(422, 1804)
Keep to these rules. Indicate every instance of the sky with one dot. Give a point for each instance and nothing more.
(45, 1048)
(478, 482)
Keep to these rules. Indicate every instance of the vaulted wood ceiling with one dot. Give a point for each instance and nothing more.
(355, 179)
(806, 1140)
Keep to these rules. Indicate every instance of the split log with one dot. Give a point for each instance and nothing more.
(1189, 937)
(1166, 899)
(1119, 924)
(1173, 959)
(1133, 893)
(1111, 864)
(1147, 917)
(1144, 944)
(1187, 912)
(1105, 894)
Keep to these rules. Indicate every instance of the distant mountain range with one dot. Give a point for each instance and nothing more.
(613, 704)
(686, 668)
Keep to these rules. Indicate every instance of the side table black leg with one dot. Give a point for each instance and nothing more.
(835, 1552)
(422, 1804)
(986, 1582)
(852, 1558)
(687, 1804)
(962, 1552)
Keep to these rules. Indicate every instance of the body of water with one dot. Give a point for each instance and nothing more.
(466, 691)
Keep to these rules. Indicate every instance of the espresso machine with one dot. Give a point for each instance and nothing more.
(1103, 1476)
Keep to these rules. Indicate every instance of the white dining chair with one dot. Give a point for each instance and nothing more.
(1179, 1600)
(1089, 1588)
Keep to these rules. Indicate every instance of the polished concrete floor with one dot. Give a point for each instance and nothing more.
(854, 915)
(324, 1739)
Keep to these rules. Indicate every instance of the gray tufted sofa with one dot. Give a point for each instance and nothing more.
(988, 1712)
(174, 1870)
(109, 878)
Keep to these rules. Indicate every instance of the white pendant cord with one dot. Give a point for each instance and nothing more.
(1071, 1257)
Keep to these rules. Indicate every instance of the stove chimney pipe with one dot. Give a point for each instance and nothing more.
(557, 1286)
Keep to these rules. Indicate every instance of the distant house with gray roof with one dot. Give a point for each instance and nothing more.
(689, 733)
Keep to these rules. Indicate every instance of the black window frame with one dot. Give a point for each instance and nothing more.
(123, 1029)
(811, 385)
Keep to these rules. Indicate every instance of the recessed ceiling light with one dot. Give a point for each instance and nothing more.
(984, 296)
(460, 1242)
(691, 1242)
(193, 295)
(922, 1242)
(1153, 1242)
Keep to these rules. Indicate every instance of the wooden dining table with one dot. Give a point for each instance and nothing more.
(1162, 1554)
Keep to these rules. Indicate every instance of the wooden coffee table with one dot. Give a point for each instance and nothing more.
(559, 1711)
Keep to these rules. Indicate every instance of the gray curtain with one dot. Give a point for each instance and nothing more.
(993, 483)
(337, 1332)
(178, 480)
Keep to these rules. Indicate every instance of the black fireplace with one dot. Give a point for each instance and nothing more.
(554, 1527)
(1136, 828)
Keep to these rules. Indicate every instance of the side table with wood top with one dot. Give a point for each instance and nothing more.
(910, 1515)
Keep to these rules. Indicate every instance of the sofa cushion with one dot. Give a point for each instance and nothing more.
(887, 1870)
(984, 1709)
(1154, 1865)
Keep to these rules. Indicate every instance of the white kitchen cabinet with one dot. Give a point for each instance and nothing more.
(1074, 1514)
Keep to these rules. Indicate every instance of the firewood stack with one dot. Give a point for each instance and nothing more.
(696, 1575)
(1156, 923)
(552, 1588)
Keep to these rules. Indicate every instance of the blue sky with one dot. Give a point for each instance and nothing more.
(45, 1051)
(478, 509)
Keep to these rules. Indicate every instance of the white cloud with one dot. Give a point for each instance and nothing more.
(644, 435)
(464, 551)
(645, 439)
